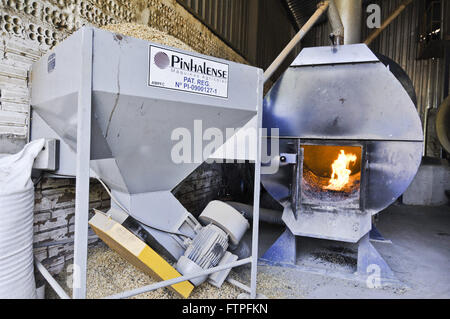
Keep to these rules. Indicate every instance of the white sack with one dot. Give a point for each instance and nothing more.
(16, 223)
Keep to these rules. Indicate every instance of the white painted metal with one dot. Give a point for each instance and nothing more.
(216, 279)
(205, 251)
(67, 158)
(186, 266)
(83, 170)
(48, 157)
(352, 53)
(239, 285)
(227, 218)
(51, 281)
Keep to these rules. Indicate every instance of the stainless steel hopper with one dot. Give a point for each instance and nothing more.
(117, 100)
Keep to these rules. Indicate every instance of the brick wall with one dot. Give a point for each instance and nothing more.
(28, 29)
(54, 218)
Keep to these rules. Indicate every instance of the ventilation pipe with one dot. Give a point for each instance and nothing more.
(350, 12)
(336, 24)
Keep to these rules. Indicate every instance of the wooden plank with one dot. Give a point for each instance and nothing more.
(135, 251)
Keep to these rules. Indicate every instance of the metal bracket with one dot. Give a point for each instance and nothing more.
(288, 158)
(283, 251)
(371, 264)
(216, 279)
(48, 158)
(297, 180)
(83, 157)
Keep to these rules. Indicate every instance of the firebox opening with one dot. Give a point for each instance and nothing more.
(331, 173)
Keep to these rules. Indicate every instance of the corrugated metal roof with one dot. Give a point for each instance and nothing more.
(228, 19)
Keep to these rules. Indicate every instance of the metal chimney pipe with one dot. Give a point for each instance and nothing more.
(351, 17)
(336, 23)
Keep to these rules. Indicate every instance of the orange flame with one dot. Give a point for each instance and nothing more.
(341, 172)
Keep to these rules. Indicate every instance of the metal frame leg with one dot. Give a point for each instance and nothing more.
(256, 193)
(375, 235)
(283, 251)
(50, 280)
(83, 169)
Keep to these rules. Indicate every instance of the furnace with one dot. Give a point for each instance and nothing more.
(350, 143)
(331, 174)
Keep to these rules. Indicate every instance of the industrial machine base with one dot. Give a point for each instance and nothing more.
(371, 268)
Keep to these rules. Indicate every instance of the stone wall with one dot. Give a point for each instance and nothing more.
(54, 219)
(430, 185)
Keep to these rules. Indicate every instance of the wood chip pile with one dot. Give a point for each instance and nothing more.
(147, 33)
(108, 273)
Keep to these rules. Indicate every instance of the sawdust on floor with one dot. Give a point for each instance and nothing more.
(108, 273)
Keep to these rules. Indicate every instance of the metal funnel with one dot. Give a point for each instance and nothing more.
(141, 93)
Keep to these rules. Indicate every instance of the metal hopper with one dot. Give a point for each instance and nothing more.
(138, 96)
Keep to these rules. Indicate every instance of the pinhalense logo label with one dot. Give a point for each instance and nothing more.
(161, 60)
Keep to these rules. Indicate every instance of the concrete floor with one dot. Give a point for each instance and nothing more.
(419, 255)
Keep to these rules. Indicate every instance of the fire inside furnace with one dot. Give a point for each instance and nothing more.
(340, 175)
(331, 172)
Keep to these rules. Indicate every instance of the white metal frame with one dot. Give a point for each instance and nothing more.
(83, 156)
